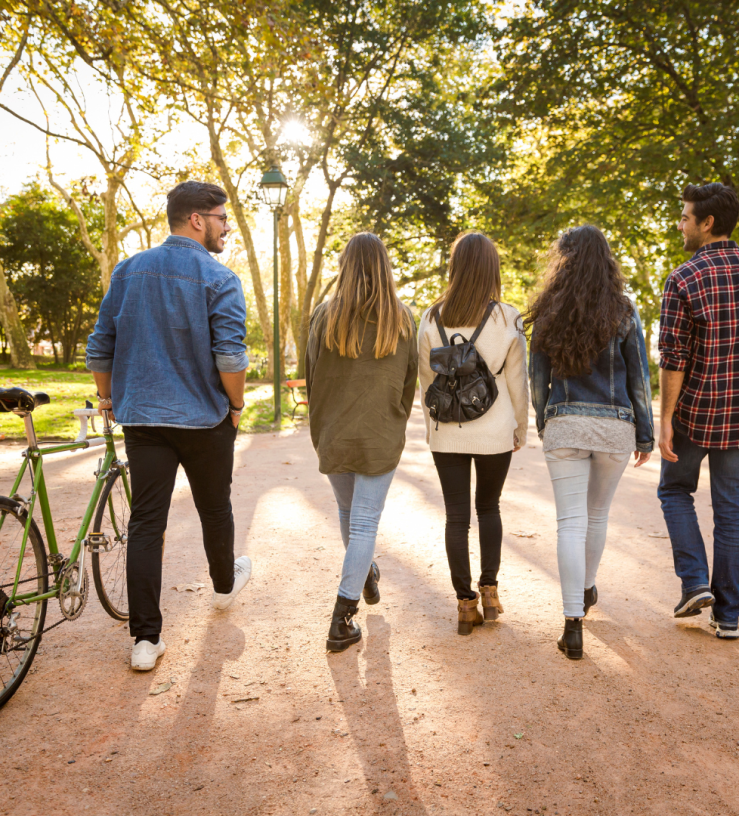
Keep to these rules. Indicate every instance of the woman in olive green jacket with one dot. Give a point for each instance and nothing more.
(361, 370)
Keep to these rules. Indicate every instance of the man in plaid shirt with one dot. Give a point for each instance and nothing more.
(699, 395)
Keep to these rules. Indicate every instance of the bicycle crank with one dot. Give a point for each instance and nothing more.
(71, 601)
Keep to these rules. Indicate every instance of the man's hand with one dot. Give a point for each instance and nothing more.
(516, 446)
(642, 457)
(670, 386)
(104, 383)
(104, 405)
(235, 418)
(666, 434)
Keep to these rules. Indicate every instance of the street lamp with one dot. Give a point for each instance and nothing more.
(274, 192)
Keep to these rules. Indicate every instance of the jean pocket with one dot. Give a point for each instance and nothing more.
(566, 453)
(619, 457)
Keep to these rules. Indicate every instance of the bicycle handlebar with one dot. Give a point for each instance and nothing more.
(83, 414)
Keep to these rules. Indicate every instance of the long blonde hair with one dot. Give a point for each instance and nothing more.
(365, 290)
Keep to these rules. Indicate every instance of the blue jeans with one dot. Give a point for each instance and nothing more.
(678, 483)
(361, 500)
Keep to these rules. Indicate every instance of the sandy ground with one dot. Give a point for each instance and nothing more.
(415, 719)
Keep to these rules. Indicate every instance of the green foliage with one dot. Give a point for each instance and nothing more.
(68, 391)
(612, 108)
(53, 278)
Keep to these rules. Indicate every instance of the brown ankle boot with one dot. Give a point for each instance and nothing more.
(491, 605)
(469, 615)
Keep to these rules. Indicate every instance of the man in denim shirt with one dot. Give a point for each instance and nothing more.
(169, 361)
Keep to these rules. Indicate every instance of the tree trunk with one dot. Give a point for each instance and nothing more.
(111, 252)
(20, 353)
(53, 343)
(306, 307)
(246, 236)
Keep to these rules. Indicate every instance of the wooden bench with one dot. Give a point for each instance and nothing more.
(294, 385)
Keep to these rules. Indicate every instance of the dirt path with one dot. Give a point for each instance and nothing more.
(415, 720)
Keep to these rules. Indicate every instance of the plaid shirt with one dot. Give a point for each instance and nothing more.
(699, 334)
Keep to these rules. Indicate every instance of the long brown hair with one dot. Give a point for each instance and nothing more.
(474, 279)
(582, 302)
(365, 290)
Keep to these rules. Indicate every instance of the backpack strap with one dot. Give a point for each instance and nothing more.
(444, 338)
(484, 320)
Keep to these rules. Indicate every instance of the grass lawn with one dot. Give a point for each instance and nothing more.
(69, 390)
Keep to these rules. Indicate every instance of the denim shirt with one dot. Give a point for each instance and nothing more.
(617, 387)
(172, 318)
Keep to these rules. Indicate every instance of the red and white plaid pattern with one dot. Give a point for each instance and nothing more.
(699, 334)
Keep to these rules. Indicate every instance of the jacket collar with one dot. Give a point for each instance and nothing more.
(183, 241)
(716, 245)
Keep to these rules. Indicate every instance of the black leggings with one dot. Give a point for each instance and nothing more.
(454, 471)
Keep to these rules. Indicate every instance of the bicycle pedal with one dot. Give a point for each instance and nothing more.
(98, 542)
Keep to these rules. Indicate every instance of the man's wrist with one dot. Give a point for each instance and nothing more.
(101, 398)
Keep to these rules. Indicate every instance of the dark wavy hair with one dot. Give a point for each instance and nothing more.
(582, 302)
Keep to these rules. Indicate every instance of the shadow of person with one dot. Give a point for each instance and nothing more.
(373, 720)
(194, 744)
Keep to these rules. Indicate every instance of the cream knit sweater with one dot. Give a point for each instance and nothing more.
(501, 341)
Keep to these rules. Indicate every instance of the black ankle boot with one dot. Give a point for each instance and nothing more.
(590, 599)
(571, 640)
(344, 631)
(371, 591)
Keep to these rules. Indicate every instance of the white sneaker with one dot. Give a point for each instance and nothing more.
(242, 574)
(145, 655)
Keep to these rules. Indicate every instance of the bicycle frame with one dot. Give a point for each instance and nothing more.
(33, 458)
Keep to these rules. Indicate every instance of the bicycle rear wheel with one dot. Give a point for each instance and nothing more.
(109, 562)
(19, 627)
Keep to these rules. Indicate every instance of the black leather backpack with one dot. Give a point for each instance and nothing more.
(464, 388)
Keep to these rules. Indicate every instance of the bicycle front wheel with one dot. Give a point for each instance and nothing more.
(20, 625)
(109, 559)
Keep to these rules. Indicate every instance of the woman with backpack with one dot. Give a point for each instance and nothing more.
(590, 389)
(475, 399)
(361, 370)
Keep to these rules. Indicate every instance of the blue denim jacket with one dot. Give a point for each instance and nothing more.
(617, 387)
(172, 318)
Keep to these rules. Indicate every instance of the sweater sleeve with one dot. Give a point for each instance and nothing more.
(425, 374)
(518, 382)
(411, 374)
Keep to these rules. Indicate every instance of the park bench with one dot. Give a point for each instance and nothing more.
(294, 385)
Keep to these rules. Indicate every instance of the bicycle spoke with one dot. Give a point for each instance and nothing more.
(25, 621)
(109, 568)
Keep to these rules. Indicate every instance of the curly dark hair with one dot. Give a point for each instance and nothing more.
(582, 303)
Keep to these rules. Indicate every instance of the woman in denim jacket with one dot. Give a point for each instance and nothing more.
(590, 389)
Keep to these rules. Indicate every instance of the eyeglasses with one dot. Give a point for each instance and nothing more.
(222, 218)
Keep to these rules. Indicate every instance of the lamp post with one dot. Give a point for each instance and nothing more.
(274, 192)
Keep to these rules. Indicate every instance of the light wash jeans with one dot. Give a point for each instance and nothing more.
(361, 500)
(584, 484)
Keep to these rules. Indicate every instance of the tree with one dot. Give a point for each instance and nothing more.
(51, 273)
(73, 60)
(251, 70)
(612, 108)
(14, 42)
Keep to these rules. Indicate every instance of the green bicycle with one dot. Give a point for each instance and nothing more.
(29, 577)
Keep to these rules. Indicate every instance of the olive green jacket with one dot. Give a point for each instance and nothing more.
(359, 408)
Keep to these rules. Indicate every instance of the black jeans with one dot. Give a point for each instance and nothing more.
(454, 471)
(154, 454)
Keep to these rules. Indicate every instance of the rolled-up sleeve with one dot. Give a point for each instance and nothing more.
(227, 316)
(675, 328)
(101, 343)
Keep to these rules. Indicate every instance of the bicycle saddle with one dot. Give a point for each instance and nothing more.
(16, 398)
